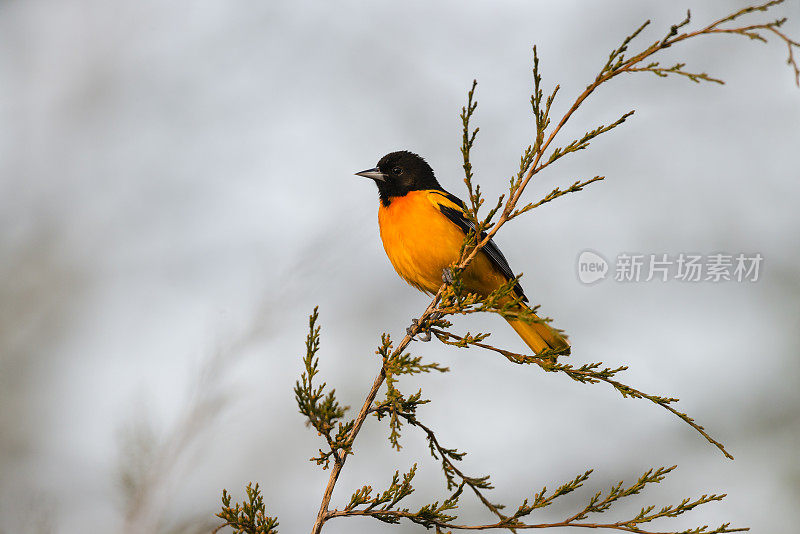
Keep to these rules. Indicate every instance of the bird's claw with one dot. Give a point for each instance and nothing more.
(447, 275)
(423, 336)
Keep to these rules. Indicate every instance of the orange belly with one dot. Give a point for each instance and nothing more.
(421, 242)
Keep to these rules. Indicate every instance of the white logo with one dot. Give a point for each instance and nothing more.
(631, 267)
(592, 267)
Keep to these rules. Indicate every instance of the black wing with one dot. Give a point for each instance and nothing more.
(491, 250)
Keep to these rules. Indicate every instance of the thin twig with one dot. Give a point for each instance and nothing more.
(616, 65)
(322, 514)
(626, 66)
(522, 526)
(592, 376)
(469, 481)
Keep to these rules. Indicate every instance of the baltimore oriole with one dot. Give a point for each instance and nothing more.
(423, 227)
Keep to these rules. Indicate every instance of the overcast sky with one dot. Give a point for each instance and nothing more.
(177, 194)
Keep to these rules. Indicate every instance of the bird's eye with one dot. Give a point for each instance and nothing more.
(397, 171)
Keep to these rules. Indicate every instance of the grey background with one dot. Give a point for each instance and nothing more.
(177, 193)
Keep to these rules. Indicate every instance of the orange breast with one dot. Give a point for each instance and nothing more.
(421, 242)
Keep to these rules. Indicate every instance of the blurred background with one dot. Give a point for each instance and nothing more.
(177, 194)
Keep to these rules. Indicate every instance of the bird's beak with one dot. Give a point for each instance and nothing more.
(375, 174)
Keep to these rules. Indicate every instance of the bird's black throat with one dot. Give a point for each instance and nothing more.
(404, 172)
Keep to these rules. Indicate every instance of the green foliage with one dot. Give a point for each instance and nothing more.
(556, 193)
(387, 499)
(601, 502)
(327, 416)
(588, 373)
(249, 517)
(396, 403)
(467, 140)
(383, 506)
(323, 411)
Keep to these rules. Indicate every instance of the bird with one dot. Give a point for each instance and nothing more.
(423, 227)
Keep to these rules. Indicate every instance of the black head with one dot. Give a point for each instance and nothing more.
(400, 172)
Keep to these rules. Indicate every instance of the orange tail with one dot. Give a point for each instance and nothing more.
(540, 336)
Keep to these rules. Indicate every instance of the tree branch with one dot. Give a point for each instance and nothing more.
(588, 373)
(414, 329)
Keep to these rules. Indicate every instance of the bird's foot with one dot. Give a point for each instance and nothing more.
(423, 336)
(447, 275)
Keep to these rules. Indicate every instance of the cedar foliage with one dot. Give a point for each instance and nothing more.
(318, 404)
